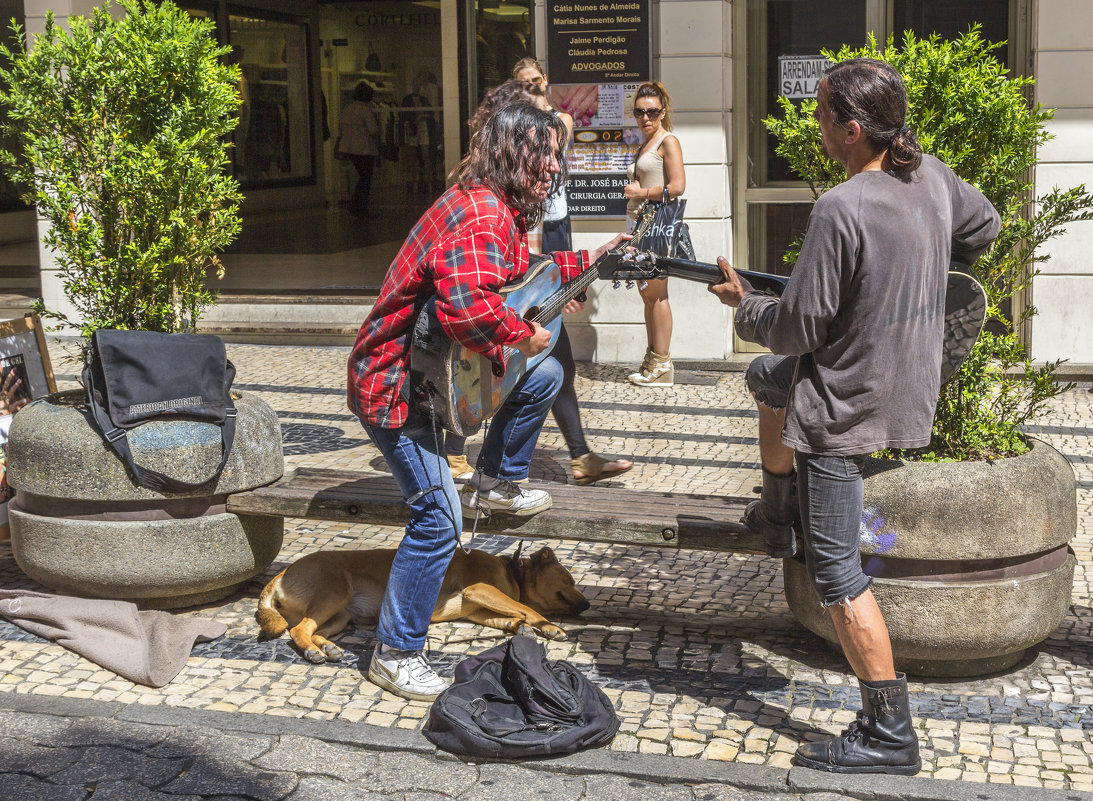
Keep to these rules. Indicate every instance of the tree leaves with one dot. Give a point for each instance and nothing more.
(122, 129)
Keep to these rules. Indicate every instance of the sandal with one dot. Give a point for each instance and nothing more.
(590, 467)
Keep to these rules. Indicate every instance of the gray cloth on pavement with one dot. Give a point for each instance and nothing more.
(145, 646)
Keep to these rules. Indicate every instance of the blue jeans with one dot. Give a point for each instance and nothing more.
(414, 453)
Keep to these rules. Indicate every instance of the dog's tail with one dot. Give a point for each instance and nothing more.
(269, 618)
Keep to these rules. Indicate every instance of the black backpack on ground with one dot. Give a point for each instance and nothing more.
(510, 702)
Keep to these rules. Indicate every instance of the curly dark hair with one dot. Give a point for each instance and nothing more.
(513, 152)
(511, 91)
(872, 93)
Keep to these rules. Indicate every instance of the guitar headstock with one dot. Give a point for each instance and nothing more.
(630, 265)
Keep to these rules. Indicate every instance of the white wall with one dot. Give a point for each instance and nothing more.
(53, 295)
(1063, 292)
(691, 47)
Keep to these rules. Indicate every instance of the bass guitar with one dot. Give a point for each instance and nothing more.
(965, 299)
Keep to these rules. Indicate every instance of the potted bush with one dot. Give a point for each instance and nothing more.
(120, 127)
(987, 531)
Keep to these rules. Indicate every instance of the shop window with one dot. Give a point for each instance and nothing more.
(503, 36)
(787, 36)
(951, 18)
(393, 46)
(273, 138)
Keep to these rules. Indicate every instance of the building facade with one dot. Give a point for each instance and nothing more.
(304, 267)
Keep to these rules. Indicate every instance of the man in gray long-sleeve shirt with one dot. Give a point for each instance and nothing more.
(859, 329)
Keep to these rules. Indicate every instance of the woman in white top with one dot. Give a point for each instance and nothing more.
(658, 166)
(358, 141)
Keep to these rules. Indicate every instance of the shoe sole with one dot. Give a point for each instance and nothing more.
(383, 681)
(652, 383)
(584, 481)
(895, 770)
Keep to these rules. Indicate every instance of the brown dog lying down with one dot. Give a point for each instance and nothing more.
(318, 595)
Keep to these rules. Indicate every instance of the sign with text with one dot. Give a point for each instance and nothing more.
(597, 194)
(799, 76)
(597, 160)
(598, 41)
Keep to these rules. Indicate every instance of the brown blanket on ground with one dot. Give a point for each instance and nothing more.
(146, 647)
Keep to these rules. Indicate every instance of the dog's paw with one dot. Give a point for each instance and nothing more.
(333, 653)
(552, 632)
(524, 630)
(314, 656)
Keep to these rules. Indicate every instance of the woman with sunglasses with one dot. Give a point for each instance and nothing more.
(657, 167)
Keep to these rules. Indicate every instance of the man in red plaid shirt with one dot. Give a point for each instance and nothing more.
(470, 244)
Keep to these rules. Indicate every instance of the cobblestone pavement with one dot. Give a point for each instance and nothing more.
(699, 651)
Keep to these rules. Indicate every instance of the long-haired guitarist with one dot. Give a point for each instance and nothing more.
(860, 329)
(463, 250)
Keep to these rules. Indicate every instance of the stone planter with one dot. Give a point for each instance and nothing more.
(970, 560)
(81, 526)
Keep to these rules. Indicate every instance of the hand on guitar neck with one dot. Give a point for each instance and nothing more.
(731, 290)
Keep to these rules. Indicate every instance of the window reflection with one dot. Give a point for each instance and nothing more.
(273, 139)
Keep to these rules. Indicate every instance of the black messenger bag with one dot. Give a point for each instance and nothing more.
(134, 377)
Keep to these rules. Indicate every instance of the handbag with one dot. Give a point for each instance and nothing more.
(662, 237)
(134, 377)
(339, 154)
(372, 63)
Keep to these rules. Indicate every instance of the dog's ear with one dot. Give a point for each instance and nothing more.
(544, 556)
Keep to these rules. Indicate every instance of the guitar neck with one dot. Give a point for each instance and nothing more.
(705, 273)
(553, 306)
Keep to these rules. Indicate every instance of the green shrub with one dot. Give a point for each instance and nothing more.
(122, 127)
(971, 115)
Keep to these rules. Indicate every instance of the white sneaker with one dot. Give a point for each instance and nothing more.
(507, 497)
(405, 673)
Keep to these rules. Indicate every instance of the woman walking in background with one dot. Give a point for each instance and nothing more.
(358, 141)
(657, 167)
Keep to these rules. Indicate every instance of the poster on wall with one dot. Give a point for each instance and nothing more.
(605, 141)
(598, 41)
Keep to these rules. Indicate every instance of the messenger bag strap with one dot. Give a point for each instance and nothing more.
(118, 439)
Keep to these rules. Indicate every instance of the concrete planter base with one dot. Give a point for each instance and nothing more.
(80, 525)
(970, 560)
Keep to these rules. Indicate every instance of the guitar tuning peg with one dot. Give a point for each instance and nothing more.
(643, 285)
(629, 284)
(616, 284)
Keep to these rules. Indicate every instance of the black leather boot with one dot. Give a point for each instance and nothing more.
(774, 513)
(881, 740)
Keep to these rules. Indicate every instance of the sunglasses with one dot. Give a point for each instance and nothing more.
(651, 113)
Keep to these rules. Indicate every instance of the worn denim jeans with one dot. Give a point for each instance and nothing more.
(829, 489)
(512, 434)
(415, 456)
(422, 473)
(829, 492)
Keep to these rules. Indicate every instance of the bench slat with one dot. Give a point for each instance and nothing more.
(591, 513)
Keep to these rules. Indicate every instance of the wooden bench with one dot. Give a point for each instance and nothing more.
(590, 513)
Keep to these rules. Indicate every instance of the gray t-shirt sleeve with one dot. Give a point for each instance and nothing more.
(799, 322)
(975, 222)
